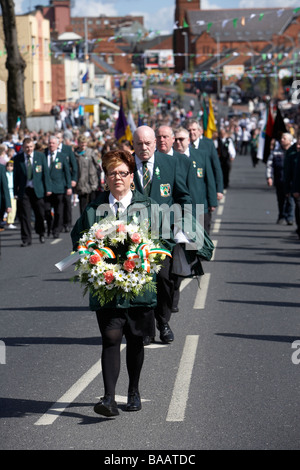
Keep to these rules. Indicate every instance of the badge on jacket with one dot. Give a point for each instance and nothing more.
(200, 172)
(58, 165)
(165, 190)
(38, 168)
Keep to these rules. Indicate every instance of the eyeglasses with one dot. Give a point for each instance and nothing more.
(122, 174)
(181, 139)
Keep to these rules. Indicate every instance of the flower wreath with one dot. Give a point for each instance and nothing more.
(118, 259)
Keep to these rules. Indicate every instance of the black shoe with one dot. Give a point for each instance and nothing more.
(42, 239)
(25, 244)
(66, 229)
(147, 340)
(55, 235)
(175, 309)
(133, 402)
(166, 334)
(106, 407)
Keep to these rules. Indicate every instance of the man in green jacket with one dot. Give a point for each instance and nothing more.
(31, 185)
(60, 176)
(158, 176)
(200, 142)
(71, 159)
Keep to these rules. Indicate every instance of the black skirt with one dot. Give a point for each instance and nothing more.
(133, 321)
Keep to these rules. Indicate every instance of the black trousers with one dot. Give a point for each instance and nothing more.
(67, 221)
(165, 292)
(54, 223)
(25, 205)
(226, 168)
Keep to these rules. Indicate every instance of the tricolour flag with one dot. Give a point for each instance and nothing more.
(122, 128)
(211, 123)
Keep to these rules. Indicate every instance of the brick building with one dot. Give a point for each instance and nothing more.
(210, 39)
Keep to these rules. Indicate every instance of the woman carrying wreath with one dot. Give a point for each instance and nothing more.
(120, 316)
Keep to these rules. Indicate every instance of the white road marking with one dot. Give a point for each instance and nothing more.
(202, 292)
(59, 407)
(184, 283)
(220, 209)
(215, 242)
(216, 226)
(180, 394)
(156, 346)
(55, 241)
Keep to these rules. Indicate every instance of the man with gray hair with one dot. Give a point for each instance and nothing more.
(60, 176)
(158, 176)
(206, 146)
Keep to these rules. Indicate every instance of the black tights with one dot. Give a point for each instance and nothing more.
(111, 359)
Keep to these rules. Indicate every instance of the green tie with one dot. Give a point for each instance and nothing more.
(146, 179)
(29, 168)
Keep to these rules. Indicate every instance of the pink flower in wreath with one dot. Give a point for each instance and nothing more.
(94, 259)
(129, 265)
(99, 235)
(109, 277)
(121, 228)
(136, 238)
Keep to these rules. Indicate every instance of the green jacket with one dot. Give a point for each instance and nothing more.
(208, 147)
(60, 174)
(201, 180)
(5, 201)
(71, 159)
(168, 185)
(41, 178)
(87, 219)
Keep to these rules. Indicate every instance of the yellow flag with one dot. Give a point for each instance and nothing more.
(211, 126)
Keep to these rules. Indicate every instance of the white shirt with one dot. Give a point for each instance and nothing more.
(187, 152)
(123, 203)
(49, 157)
(139, 165)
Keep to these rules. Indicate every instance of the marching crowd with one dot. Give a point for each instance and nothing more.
(76, 176)
(42, 175)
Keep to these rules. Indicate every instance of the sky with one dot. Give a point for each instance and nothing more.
(158, 14)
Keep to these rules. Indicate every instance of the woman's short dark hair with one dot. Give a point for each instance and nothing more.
(115, 158)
